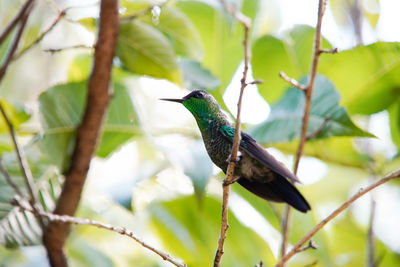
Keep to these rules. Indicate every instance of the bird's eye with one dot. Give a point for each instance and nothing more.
(198, 95)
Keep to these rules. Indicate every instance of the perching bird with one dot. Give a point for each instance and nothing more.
(258, 171)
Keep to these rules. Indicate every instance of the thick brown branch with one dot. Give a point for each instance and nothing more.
(87, 132)
(312, 232)
(16, 19)
(236, 141)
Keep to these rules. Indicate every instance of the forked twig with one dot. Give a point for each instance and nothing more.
(308, 93)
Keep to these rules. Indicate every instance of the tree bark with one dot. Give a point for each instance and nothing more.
(87, 135)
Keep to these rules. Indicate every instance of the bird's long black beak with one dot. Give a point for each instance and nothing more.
(172, 99)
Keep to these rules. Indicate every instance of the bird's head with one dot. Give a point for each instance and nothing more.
(199, 103)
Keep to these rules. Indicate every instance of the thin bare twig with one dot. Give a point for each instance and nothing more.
(235, 148)
(312, 232)
(308, 92)
(310, 244)
(257, 81)
(320, 129)
(329, 51)
(23, 163)
(8, 179)
(292, 81)
(15, 43)
(311, 82)
(55, 50)
(15, 20)
(371, 241)
(60, 15)
(65, 219)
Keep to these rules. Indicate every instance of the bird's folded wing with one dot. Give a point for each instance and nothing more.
(256, 151)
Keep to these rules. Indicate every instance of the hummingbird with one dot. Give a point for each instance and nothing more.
(256, 170)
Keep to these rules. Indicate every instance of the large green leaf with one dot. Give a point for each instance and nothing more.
(367, 77)
(192, 234)
(338, 150)
(61, 109)
(196, 76)
(144, 50)
(291, 55)
(222, 40)
(180, 30)
(284, 121)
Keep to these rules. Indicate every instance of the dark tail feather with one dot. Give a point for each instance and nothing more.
(279, 190)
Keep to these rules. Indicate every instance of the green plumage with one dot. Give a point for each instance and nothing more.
(257, 170)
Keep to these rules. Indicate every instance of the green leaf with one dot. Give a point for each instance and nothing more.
(16, 113)
(223, 49)
(368, 77)
(80, 68)
(191, 234)
(84, 253)
(196, 76)
(270, 56)
(144, 50)
(89, 23)
(121, 123)
(394, 117)
(61, 109)
(284, 121)
(291, 55)
(180, 30)
(339, 150)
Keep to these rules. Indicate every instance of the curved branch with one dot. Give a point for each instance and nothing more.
(312, 232)
(87, 132)
(65, 219)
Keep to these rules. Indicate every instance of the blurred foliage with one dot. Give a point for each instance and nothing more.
(286, 115)
(61, 110)
(171, 195)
